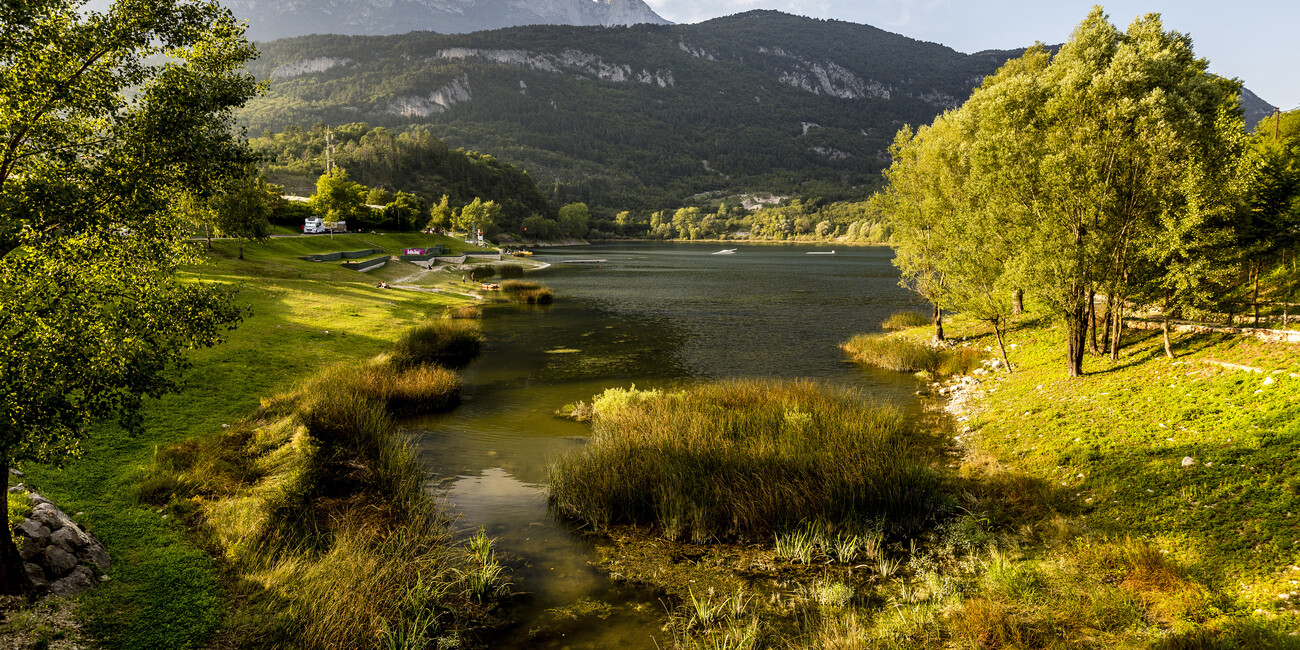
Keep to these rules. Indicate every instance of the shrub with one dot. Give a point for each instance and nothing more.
(447, 342)
(905, 319)
(743, 459)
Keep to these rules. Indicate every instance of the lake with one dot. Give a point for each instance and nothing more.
(653, 315)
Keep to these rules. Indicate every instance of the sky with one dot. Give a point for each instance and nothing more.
(1252, 40)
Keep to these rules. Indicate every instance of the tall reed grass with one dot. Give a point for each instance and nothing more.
(322, 512)
(527, 292)
(451, 343)
(904, 320)
(906, 355)
(511, 271)
(744, 459)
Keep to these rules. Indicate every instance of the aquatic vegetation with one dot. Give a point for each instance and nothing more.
(510, 270)
(451, 343)
(905, 319)
(465, 311)
(908, 355)
(744, 459)
(530, 293)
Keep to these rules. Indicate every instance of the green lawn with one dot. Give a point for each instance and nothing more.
(165, 592)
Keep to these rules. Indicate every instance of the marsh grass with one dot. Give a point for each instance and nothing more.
(907, 355)
(465, 311)
(321, 511)
(530, 293)
(450, 343)
(508, 271)
(905, 319)
(744, 459)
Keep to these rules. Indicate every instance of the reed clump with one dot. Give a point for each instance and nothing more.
(743, 460)
(906, 355)
(465, 311)
(526, 292)
(450, 343)
(507, 271)
(322, 512)
(904, 320)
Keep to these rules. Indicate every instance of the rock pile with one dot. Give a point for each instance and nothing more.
(60, 557)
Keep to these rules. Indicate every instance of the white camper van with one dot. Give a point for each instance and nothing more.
(316, 225)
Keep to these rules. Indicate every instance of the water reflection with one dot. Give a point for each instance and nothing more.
(654, 315)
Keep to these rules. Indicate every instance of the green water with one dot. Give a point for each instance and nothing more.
(653, 315)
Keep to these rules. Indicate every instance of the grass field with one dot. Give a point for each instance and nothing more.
(165, 592)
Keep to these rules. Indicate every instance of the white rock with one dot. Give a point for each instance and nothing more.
(1188, 461)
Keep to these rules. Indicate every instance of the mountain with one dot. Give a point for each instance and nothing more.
(1255, 108)
(272, 19)
(641, 117)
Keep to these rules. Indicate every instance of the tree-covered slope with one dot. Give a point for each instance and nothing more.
(641, 116)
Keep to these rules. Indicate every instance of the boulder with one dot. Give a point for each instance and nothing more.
(36, 574)
(33, 530)
(47, 514)
(69, 538)
(29, 548)
(95, 555)
(57, 561)
(74, 583)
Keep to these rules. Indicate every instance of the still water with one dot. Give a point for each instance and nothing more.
(654, 315)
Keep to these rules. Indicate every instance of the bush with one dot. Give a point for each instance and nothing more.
(744, 459)
(451, 343)
(905, 319)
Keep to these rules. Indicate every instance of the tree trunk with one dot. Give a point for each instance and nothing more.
(1117, 332)
(1017, 302)
(1076, 336)
(1092, 322)
(997, 329)
(1254, 301)
(1164, 327)
(13, 577)
(1107, 320)
(938, 323)
(241, 247)
(207, 229)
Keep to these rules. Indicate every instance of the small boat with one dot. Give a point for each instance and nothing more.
(829, 252)
(725, 251)
(522, 253)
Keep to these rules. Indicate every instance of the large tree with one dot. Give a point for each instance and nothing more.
(105, 119)
(1117, 153)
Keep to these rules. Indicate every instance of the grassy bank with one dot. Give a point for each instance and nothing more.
(322, 515)
(746, 460)
(907, 354)
(165, 590)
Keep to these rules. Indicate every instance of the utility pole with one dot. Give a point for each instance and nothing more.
(1277, 122)
(329, 150)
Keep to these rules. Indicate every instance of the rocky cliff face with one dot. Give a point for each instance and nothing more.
(272, 19)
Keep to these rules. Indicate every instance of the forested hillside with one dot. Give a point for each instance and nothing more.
(642, 117)
(411, 161)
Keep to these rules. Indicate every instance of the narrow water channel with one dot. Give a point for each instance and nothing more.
(651, 315)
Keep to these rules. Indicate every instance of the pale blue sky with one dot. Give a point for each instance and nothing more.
(1254, 40)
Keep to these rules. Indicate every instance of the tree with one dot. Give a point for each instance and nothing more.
(478, 215)
(1090, 158)
(242, 210)
(379, 196)
(339, 199)
(441, 215)
(99, 136)
(574, 219)
(401, 211)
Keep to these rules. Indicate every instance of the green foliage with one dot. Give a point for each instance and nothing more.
(413, 161)
(18, 507)
(338, 198)
(478, 217)
(101, 141)
(1026, 186)
(573, 221)
(744, 459)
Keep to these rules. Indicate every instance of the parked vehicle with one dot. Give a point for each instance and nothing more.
(316, 225)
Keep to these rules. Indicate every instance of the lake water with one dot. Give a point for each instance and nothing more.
(654, 315)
